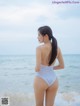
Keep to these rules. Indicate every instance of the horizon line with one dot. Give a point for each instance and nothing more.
(35, 54)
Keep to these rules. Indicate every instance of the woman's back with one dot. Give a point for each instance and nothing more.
(46, 54)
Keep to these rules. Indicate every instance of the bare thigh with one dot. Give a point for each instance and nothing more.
(51, 93)
(39, 89)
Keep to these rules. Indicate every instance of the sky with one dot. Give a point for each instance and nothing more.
(20, 19)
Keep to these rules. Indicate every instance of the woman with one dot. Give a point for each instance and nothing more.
(45, 81)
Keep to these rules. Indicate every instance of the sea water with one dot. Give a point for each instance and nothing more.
(17, 74)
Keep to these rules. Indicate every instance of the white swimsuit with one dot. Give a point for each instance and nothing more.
(47, 74)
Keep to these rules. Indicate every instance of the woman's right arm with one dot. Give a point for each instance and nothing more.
(60, 60)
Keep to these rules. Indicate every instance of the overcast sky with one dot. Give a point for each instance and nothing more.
(20, 19)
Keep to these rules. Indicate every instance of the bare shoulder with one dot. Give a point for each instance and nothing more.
(39, 48)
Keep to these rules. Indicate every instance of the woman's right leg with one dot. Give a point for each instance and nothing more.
(51, 93)
(39, 89)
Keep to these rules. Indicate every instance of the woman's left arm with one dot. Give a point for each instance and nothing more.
(38, 59)
(60, 59)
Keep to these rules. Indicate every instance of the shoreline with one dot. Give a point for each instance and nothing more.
(28, 99)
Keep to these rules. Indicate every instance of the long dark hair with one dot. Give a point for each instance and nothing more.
(47, 30)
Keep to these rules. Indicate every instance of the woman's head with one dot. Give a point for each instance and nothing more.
(45, 34)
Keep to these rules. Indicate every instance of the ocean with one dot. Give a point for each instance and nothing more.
(17, 74)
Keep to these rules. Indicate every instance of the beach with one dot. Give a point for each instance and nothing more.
(25, 99)
(17, 75)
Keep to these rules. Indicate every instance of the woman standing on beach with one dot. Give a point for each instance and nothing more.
(45, 81)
